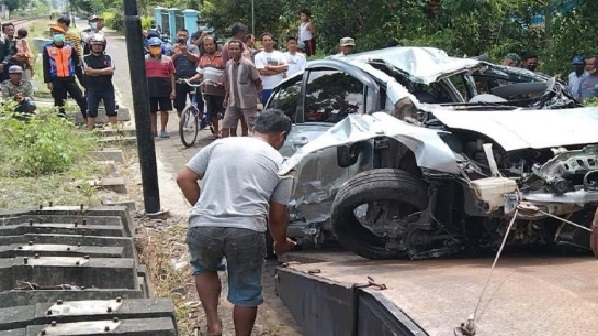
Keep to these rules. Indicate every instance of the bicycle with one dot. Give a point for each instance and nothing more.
(192, 119)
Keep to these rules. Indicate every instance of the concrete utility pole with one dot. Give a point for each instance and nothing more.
(146, 146)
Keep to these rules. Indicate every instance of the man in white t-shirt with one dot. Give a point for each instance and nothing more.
(296, 61)
(272, 66)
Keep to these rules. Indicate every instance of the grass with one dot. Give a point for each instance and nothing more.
(156, 249)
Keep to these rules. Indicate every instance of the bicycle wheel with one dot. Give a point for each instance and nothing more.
(188, 126)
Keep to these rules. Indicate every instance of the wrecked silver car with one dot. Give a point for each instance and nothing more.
(388, 176)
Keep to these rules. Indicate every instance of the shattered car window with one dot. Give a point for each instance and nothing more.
(330, 96)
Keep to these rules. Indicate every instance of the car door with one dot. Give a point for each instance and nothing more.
(328, 95)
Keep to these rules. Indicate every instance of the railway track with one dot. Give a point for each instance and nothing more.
(74, 271)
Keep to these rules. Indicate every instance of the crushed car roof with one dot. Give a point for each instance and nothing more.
(424, 64)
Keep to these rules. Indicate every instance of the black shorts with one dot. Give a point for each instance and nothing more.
(160, 104)
(93, 100)
(214, 104)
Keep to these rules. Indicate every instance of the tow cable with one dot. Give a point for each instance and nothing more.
(469, 327)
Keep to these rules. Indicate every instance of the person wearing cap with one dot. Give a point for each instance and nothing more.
(99, 69)
(160, 72)
(578, 73)
(61, 64)
(21, 91)
(512, 60)
(96, 26)
(240, 198)
(347, 45)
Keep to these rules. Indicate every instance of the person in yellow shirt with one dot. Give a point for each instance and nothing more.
(71, 35)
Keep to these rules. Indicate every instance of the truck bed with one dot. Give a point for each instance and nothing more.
(526, 296)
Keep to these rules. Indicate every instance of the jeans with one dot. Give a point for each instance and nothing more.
(245, 251)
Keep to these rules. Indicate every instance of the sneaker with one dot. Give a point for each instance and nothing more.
(164, 134)
(154, 134)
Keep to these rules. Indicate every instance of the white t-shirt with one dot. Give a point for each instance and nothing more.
(296, 63)
(270, 58)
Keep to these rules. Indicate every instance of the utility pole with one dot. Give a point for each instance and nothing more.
(253, 18)
(146, 147)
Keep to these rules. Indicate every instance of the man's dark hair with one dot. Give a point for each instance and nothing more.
(531, 55)
(183, 30)
(64, 20)
(392, 43)
(266, 34)
(7, 25)
(22, 33)
(273, 121)
(290, 38)
(306, 11)
(237, 42)
(239, 27)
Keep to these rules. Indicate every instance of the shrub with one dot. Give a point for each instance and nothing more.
(46, 144)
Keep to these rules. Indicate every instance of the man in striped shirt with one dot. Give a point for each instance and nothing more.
(242, 83)
(211, 68)
(72, 35)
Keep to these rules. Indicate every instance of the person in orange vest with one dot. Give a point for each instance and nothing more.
(60, 68)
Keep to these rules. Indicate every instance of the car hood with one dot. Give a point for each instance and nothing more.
(425, 65)
(520, 129)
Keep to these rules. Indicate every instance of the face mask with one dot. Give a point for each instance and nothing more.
(155, 50)
(94, 25)
(181, 41)
(58, 38)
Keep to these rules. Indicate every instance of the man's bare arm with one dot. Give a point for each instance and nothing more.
(187, 181)
(278, 221)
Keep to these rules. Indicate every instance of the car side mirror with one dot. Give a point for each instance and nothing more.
(347, 155)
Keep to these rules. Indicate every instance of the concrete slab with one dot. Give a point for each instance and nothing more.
(123, 132)
(161, 326)
(122, 141)
(130, 204)
(439, 295)
(52, 271)
(55, 250)
(116, 184)
(28, 297)
(126, 243)
(123, 114)
(63, 229)
(80, 311)
(115, 155)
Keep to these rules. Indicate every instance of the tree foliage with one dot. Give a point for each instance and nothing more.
(461, 27)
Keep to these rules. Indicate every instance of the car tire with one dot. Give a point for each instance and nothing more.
(381, 184)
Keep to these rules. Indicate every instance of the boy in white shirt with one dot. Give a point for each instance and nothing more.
(272, 66)
(296, 61)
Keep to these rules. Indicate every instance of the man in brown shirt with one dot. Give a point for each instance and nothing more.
(242, 83)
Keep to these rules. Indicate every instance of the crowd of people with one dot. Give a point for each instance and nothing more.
(238, 76)
(582, 81)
